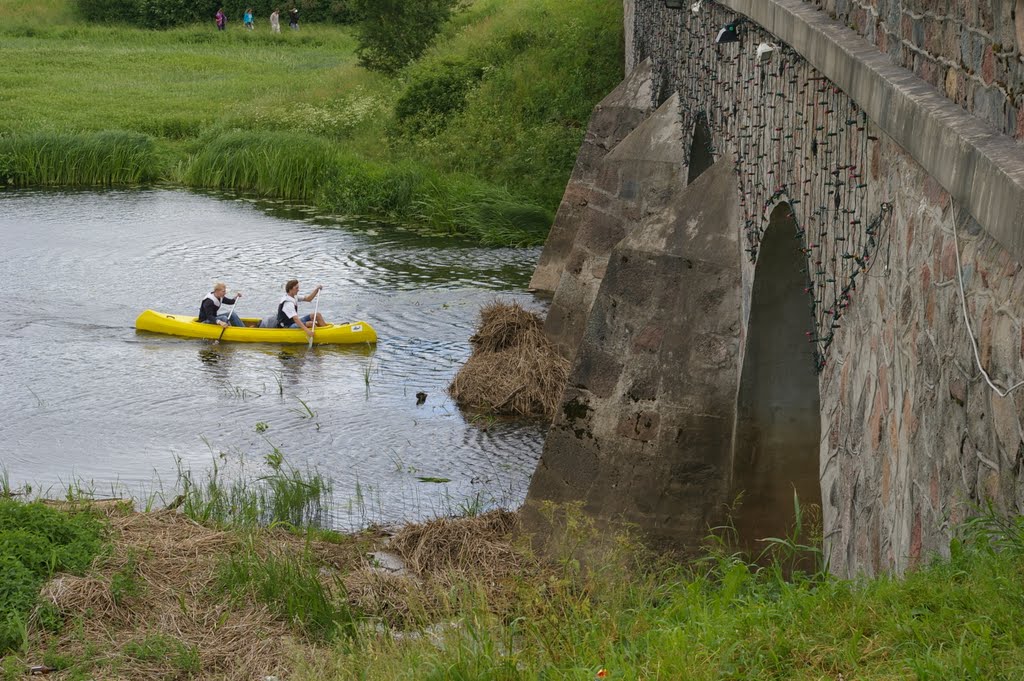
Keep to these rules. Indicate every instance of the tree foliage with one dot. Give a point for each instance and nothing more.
(392, 33)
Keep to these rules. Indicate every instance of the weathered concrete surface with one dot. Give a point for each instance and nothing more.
(912, 436)
(778, 424)
(636, 179)
(645, 430)
(613, 119)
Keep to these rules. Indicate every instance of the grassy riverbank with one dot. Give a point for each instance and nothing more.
(241, 595)
(477, 137)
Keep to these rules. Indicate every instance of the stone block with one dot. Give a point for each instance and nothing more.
(664, 455)
(613, 119)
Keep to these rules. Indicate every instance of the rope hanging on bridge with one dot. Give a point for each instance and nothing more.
(967, 319)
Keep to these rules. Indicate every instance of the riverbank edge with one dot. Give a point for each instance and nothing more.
(289, 166)
(628, 613)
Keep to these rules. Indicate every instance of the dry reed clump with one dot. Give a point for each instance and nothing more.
(481, 546)
(514, 369)
(160, 580)
(399, 599)
(446, 558)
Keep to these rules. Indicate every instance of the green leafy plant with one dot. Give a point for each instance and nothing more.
(393, 33)
(36, 542)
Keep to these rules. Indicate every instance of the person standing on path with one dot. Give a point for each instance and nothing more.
(221, 19)
(293, 19)
(247, 19)
(275, 22)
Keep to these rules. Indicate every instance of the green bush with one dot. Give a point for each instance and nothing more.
(170, 13)
(109, 11)
(393, 33)
(434, 94)
(36, 542)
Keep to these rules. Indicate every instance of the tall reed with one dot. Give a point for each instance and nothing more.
(285, 164)
(286, 495)
(104, 159)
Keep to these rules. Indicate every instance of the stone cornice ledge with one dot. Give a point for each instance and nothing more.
(981, 168)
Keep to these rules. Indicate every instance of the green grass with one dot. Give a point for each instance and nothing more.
(285, 496)
(724, 618)
(162, 648)
(35, 543)
(490, 118)
(99, 159)
(291, 586)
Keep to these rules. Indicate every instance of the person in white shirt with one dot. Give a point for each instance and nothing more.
(288, 308)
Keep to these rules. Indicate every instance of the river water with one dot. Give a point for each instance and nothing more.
(89, 402)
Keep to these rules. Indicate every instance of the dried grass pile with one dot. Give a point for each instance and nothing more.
(514, 369)
(481, 546)
(447, 559)
(159, 584)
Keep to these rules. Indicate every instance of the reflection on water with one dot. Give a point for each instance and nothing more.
(86, 397)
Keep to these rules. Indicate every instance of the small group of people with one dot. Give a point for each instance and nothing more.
(287, 309)
(221, 19)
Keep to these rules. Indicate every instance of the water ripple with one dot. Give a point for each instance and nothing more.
(85, 397)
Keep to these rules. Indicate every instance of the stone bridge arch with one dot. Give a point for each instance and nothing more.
(778, 419)
(892, 185)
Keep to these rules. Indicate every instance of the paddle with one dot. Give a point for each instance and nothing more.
(228, 321)
(316, 308)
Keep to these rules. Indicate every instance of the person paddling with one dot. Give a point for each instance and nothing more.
(209, 309)
(288, 308)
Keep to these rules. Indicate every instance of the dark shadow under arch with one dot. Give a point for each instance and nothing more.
(778, 428)
(701, 143)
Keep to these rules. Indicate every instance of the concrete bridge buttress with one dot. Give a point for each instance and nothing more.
(644, 434)
(635, 179)
(613, 119)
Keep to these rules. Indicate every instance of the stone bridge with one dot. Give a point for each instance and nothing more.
(788, 261)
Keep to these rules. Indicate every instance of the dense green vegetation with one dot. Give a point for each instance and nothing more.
(393, 33)
(723, 618)
(36, 542)
(601, 603)
(477, 136)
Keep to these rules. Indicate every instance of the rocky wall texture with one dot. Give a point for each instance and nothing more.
(791, 135)
(970, 50)
(645, 429)
(912, 436)
(635, 179)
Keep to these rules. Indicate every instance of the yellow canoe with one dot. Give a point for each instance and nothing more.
(189, 326)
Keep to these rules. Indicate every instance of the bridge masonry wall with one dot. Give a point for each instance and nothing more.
(912, 436)
(970, 50)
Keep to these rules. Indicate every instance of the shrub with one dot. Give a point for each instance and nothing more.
(36, 542)
(109, 11)
(393, 33)
(170, 13)
(433, 95)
